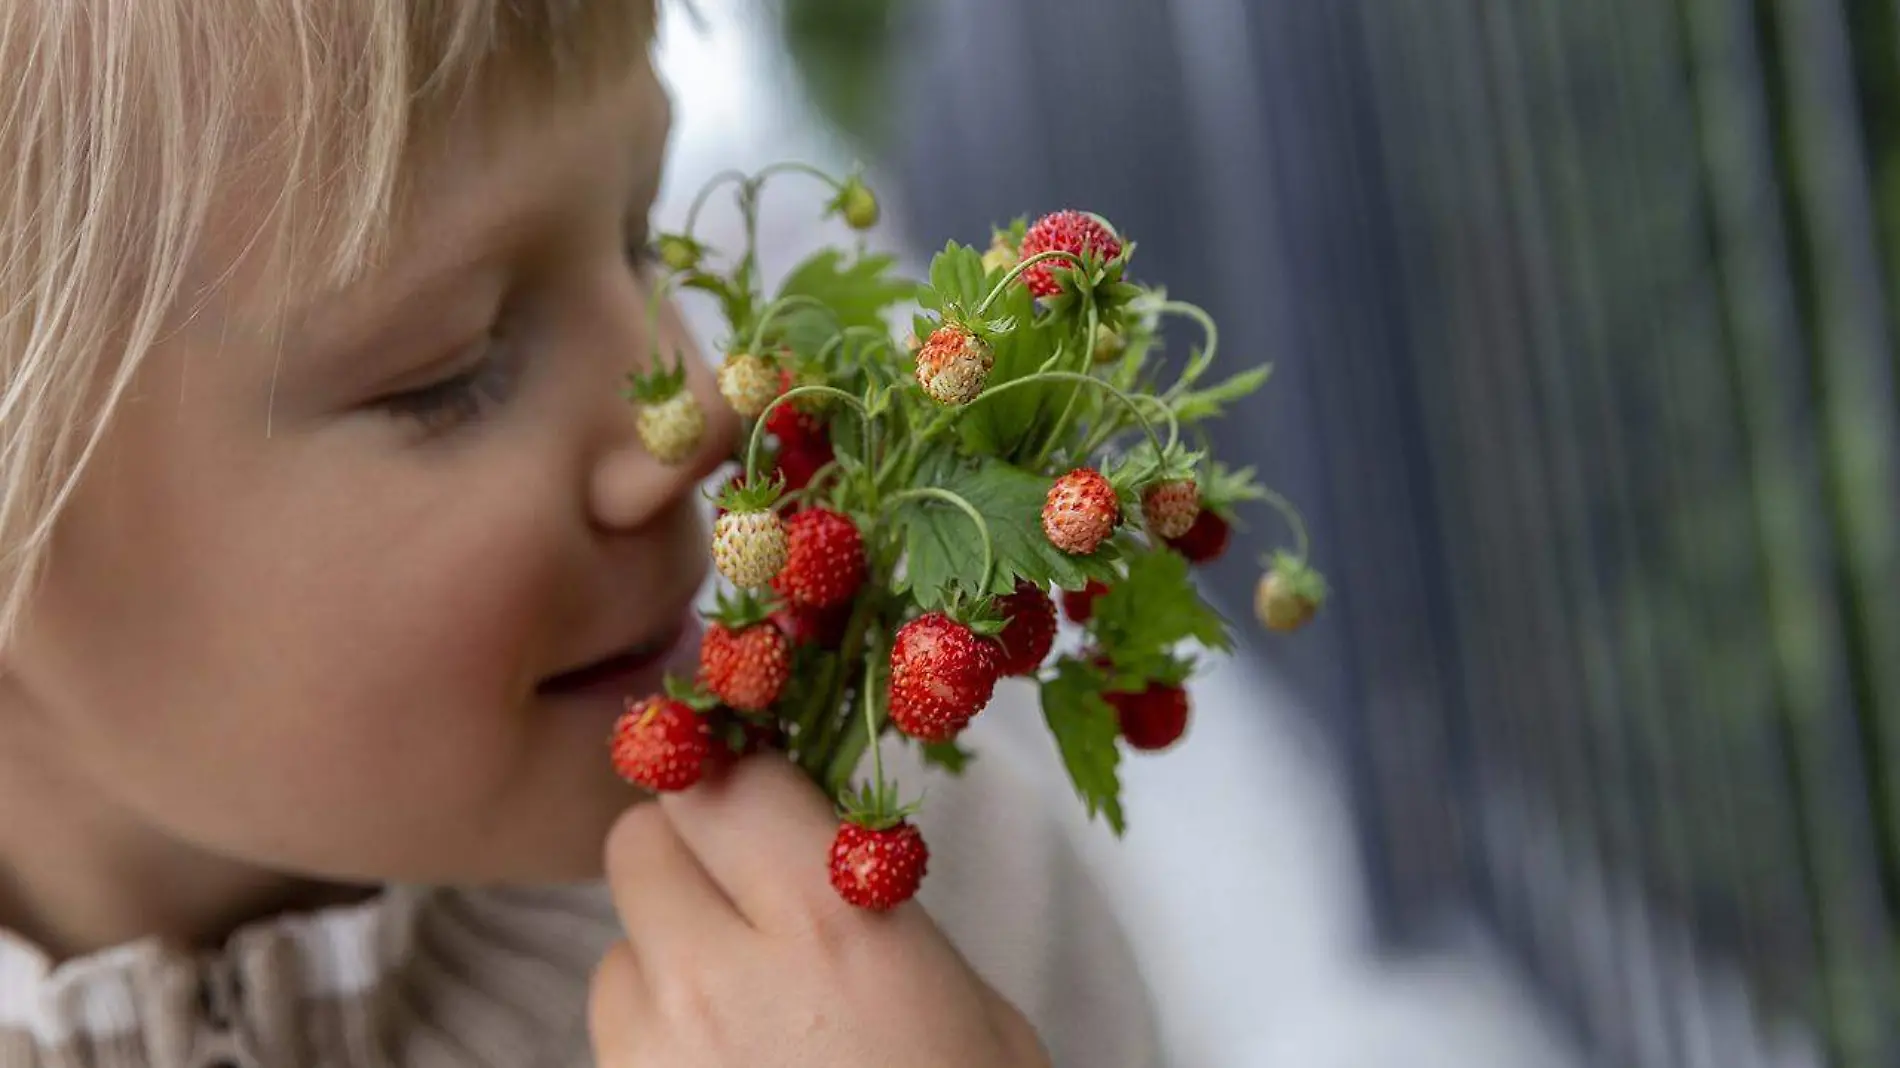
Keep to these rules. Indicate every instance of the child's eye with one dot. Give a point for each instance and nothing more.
(461, 398)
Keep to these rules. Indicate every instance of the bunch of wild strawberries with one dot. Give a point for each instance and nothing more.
(902, 510)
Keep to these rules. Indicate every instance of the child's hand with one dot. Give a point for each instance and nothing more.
(739, 953)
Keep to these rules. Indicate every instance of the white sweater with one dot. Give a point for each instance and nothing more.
(433, 978)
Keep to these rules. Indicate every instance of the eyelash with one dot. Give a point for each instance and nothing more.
(469, 394)
(462, 397)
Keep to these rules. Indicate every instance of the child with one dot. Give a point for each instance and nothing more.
(330, 552)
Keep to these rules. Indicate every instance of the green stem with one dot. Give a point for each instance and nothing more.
(1016, 272)
(758, 425)
(773, 309)
(813, 487)
(1199, 364)
(982, 527)
(827, 724)
(1068, 409)
(1292, 517)
(706, 191)
(849, 333)
(793, 166)
(869, 701)
(846, 748)
(1174, 428)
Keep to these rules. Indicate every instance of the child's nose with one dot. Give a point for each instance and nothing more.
(632, 485)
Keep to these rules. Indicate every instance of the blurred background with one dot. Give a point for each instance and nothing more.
(1582, 319)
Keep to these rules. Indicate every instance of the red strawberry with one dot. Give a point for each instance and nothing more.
(1081, 511)
(1029, 629)
(878, 869)
(1079, 605)
(824, 565)
(1206, 540)
(1065, 231)
(942, 674)
(793, 426)
(745, 668)
(1154, 718)
(1171, 506)
(660, 744)
(800, 462)
(823, 627)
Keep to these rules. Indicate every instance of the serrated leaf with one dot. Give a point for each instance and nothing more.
(1223, 487)
(956, 274)
(942, 547)
(1008, 424)
(734, 303)
(1154, 607)
(858, 291)
(949, 756)
(1086, 734)
(1207, 403)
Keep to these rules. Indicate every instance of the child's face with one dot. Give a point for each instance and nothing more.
(294, 625)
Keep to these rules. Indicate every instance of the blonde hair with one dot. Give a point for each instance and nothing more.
(123, 119)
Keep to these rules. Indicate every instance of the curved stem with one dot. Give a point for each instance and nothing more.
(1292, 517)
(1195, 369)
(657, 301)
(705, 191)
(1072, 376)
(813, 487)
(1068, 409)
(758, 425)
(848, 333)
(982, 527)
(1016, 272)
(796, 300)
(792, 166)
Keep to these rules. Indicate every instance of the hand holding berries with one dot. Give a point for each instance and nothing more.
(736, 940)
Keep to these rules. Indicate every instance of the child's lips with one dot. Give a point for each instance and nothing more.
(623, 673)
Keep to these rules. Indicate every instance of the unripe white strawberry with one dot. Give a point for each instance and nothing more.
(749, 547)
(748, 383)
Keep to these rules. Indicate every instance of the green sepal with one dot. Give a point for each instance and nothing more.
(688, 693)
(1299, 577)
(876, 806)
(737, 610)
(660, 382)
(750, 498)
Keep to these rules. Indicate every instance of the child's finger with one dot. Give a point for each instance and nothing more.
(667, 903)
(763, 832)
(616, 1005)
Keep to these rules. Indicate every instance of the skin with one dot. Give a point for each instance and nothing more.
(292, 645)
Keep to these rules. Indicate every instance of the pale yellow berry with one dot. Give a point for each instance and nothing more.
(749, 548)
(748, 383)
(671, 429)
(1000, 257)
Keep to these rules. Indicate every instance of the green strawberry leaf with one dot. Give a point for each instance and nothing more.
(1153, 608)
(734, 302)
(949, 756)
(1009, 424)
(956, 276)
(1223, 487)
(858, 291)
(1086, 734)
(942, 546)
(1207, 403)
